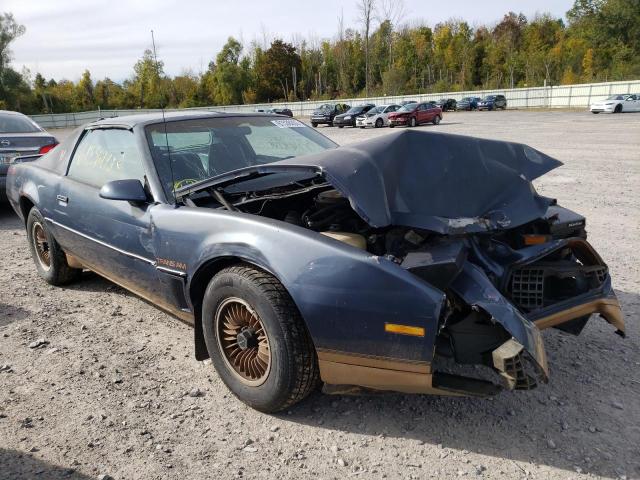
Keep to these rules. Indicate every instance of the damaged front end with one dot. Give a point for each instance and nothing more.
(460, 215)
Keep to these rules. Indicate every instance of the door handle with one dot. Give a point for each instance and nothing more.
(62, 199)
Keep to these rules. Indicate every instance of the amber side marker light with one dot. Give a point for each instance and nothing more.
(535, 239)
(404, 329)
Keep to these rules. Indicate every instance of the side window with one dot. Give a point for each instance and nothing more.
(106, 155)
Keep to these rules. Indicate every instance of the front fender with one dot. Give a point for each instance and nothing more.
(345, 295)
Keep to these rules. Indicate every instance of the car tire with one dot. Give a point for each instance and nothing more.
(340, 126)
(379, 123)
(314, 125)
(618, 109)
(391, 125)
(436, 119)
(595, 113)
(413, 122)
(282, 366)
(362, 128)
(49, 258)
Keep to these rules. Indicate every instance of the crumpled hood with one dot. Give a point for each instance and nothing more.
(435, 181)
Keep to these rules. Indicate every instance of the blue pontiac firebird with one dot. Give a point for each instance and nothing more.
(385, 265)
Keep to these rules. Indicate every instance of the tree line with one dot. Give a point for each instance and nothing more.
(382, 55)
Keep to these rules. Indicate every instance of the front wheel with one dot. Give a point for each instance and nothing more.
(51, 261)
(314, 125)
(257, 339)
(595, 113)
(436, 120)
(340, 126)
(618, 109)
(413, 122)
(379, 123)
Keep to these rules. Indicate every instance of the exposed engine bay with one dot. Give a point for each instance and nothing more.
(468, 335)
(505, 261)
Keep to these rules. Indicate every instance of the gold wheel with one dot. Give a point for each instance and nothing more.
(243, 341)
(41, 245)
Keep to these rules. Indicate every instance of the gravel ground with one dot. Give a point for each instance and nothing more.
(110, 386)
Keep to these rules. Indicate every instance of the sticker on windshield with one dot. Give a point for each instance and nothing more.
(289, 123)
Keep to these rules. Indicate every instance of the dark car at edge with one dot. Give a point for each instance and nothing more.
(493, 102)
(447, 104)
(469, 103)
(348, 118)
(20, 136)
(414, 262)
(325, 113)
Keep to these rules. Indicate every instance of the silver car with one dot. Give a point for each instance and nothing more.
(19, 136)
(376, 117)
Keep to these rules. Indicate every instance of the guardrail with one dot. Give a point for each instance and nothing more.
(564, 96)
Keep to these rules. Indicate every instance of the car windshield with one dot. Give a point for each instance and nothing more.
(616, 97)
(410, 107)
(377, 109)
(197, 149)
(490, 97)
(326, 106)
(355, 110)
(467, 99)
(12, 123)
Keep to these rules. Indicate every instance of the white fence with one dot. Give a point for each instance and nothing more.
(566, 96)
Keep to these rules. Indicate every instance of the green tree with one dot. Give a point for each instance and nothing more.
(274, 71)
(145, 86)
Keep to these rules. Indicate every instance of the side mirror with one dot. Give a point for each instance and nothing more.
(126, 190)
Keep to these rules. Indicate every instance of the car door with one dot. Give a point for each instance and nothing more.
(112, 237)
(632, 104)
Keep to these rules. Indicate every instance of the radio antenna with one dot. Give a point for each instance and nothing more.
(164, 121)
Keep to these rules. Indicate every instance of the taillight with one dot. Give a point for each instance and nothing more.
(47, 148)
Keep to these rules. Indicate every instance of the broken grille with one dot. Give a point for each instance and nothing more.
(527, 288)
(544, 283)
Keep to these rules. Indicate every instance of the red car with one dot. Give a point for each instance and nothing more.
(414, 114)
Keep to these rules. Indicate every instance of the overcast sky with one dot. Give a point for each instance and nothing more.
(66, 36)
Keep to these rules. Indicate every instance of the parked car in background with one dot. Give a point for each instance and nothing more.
(415, 114)
(447, 104)
(415, 262)
(20, 136)
(348, 119)
(325, 113)
(376, 117)
(468, 103)
(492, 102)
(281, 111)
(406, 102)
(617, 104)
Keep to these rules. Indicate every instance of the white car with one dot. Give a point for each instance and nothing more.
(617, 104)
(376, 117)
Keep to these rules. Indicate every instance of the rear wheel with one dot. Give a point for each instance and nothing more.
(413, 122)
(340, 126)
(595, 112)
(314, 125)
(257, 339)
(379, 123)
(436, 119)
(51, 261)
